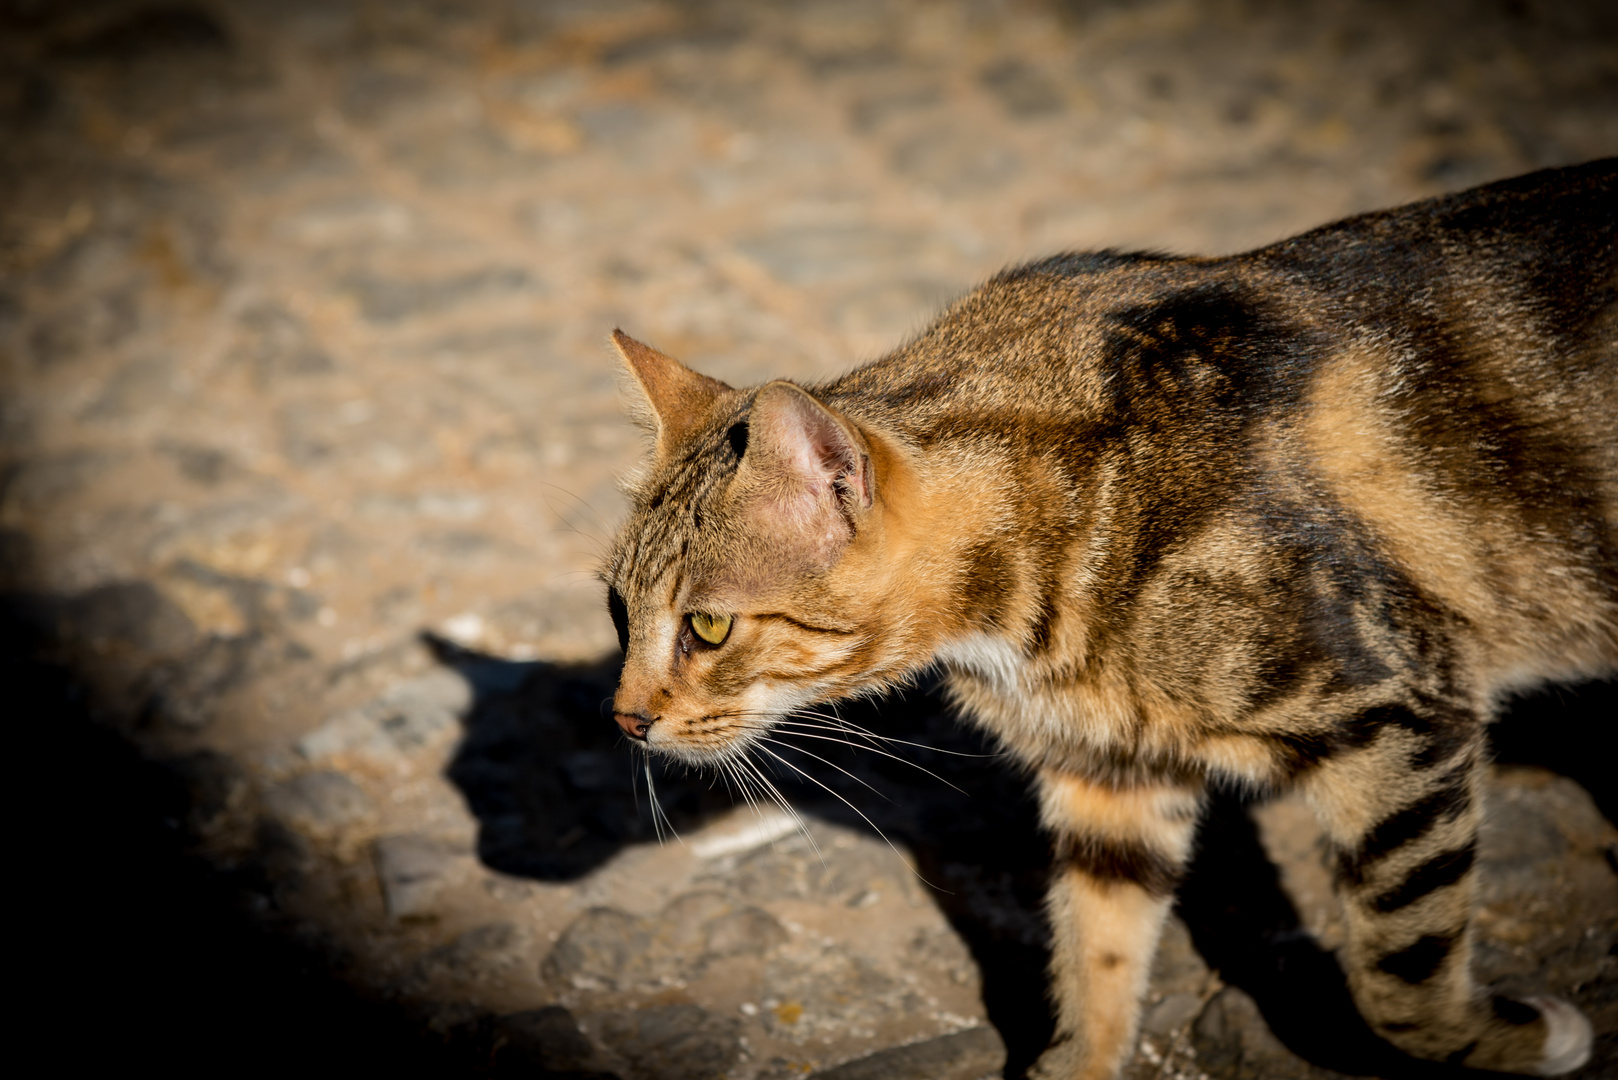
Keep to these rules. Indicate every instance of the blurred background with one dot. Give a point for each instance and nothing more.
(308, 437)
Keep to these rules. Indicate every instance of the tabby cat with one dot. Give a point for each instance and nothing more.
(1300, 517)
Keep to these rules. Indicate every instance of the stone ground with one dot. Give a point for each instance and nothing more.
(307, 447)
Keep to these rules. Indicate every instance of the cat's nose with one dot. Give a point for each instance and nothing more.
(634, 725)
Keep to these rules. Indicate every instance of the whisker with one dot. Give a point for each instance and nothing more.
(752, 767)
(657, 808)
(873, 749)
(857, 810)
(806, 730)
(854, 729)
(833, 764)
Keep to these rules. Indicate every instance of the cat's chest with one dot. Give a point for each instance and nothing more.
(1091, 722)
(1041, 714)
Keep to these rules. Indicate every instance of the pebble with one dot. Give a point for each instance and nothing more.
(965, 1055)
(320, 804)
(543, 1039)
(672, 1042)
(415, 870)
(404, 718)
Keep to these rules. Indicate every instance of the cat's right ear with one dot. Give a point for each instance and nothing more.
(806, 469)
(677, 398)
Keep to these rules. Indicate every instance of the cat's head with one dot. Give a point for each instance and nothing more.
(751, 576)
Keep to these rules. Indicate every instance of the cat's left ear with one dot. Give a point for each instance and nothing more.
(679, 398)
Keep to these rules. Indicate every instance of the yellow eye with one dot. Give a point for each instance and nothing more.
(710, 628)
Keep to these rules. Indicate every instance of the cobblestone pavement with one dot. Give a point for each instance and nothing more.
(309, 433)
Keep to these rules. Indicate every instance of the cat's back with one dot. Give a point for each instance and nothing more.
(1430, 390)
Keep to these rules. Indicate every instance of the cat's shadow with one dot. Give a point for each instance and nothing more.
(557, 791)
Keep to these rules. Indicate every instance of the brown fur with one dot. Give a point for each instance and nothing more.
(1301, 516)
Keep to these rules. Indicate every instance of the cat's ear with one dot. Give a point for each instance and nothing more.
(677, 398)
(807, 467)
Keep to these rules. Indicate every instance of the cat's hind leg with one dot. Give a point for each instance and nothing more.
(1402, 810)
(1120, 851)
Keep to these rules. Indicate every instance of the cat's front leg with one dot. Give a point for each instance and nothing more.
(1120, 851)
(1403, 812)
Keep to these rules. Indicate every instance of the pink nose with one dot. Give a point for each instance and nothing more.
(634, 726)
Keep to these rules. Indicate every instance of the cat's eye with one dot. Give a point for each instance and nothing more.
(620, 616)
(710, 628)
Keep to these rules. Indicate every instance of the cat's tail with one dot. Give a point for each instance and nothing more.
(1568, 1036)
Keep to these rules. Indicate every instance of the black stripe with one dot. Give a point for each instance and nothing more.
(1514, 1012)
(1120, 860)
(1442, 730)
(1298, 752)
(1434, 874)
(1445, 803)
(807, 627)
(1418, 962)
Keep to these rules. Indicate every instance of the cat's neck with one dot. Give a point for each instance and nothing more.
(973, 551)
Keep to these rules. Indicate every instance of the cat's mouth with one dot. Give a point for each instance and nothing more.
(703, 741)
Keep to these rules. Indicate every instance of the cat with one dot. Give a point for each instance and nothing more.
(1297, 518)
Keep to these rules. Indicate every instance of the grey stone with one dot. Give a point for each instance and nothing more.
(1022, 89)
(1170, 1014)
(139, 386)
(263, 606)
(966, 1055)
(349, 221)
(1177, 967)
(131, 614)
(425, 705)
(35, 484)
(202, 526)
(1233, 1042)
(478, 953)
(352, 731)
(542, 1039)
(389, 300)
(750, 931)
(706, 925)
(186, 692)
(465, 156)
(101, 320)
(320, 803)
(673, 1042)
(457, 544)
(205, 465)
(954, 163)
(273, 344)
(603, 949)
(824, 994)
(414, 870)
(374, 94)
(406, 717)
(845, 253)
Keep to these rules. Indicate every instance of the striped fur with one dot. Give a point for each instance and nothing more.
(1296, 517)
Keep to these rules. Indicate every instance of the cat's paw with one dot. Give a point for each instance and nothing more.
(1568, 1036)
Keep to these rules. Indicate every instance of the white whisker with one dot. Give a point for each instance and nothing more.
(857, 810)
(807, 731)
